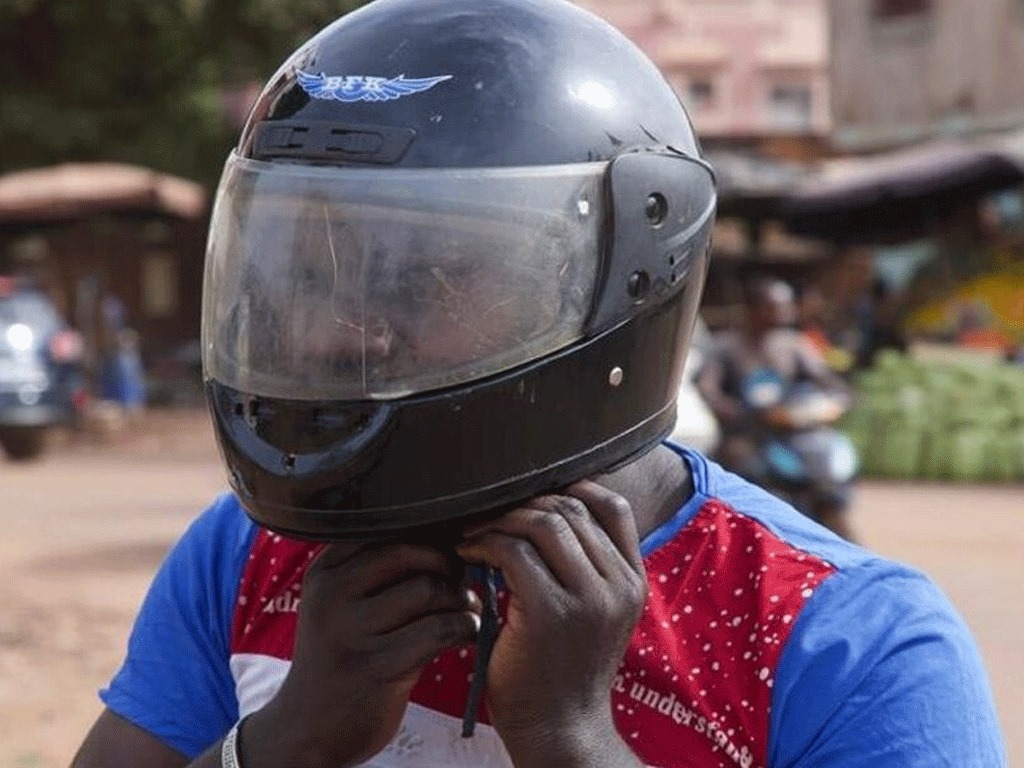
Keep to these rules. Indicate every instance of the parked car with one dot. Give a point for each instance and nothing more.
(41, 379)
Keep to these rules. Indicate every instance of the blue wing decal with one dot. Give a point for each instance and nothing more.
(354, 88)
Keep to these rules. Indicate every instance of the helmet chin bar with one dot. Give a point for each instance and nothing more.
(327, 471)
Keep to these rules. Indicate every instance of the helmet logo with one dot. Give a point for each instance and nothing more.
(353, 88)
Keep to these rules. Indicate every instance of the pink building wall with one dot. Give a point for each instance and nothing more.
(746, 69)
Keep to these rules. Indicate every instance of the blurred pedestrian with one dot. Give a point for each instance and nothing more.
(880, 322)
(121, 377)
(812, 313)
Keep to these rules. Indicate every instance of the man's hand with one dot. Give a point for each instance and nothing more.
(576, 579)
(371, 618)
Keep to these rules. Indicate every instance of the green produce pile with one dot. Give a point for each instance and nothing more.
(939, 421)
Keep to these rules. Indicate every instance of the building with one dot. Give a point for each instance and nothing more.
(926, 96)
(91, 231)
(906, 71)
(753, 73)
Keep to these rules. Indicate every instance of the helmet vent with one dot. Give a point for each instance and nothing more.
(321, 141)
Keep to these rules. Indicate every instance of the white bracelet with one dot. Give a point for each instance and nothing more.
(229, 749)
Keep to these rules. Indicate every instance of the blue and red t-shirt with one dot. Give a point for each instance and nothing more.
(766, 642)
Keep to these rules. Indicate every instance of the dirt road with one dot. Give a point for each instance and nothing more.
(85, 528)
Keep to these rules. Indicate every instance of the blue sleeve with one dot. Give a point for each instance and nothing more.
(881, 671)
(176, 681)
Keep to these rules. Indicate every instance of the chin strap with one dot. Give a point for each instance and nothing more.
(484, 645)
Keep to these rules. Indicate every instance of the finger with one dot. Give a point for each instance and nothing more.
(412, 646)
(413, 599)
(523, 569)
(604, 554)
(375, 568)
(600, 549)
(544, 523)
(336, 554)
(332, 555)
(615, 516)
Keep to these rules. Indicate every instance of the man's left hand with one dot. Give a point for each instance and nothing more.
(575, 575)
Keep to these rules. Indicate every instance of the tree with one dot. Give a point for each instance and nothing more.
(138, 81)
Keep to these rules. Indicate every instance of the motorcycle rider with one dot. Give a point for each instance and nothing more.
(768, 340)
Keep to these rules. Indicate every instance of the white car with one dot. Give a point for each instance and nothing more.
(696, 426)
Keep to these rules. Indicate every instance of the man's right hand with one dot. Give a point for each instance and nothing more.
(370, 619)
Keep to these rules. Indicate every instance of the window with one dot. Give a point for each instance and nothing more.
(899, 10)
(159, 285)
(789, 107)
(901, 21)
(697, 89)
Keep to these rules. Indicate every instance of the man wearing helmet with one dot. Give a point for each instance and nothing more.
(453, 268)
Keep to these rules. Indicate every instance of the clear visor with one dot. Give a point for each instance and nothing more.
(327, 283)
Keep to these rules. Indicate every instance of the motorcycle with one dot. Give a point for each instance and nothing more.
(799, 453)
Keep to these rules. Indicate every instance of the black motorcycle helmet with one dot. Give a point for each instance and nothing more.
(454, 262)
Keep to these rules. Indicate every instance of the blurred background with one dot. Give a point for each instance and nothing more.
(869, 152)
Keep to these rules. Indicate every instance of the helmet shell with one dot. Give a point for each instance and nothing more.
(532, 82)
(477, 84)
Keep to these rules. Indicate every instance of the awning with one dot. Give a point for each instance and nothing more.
(79, 190)
(753, 187)
(900, 195)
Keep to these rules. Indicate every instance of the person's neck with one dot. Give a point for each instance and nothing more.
(656, 485)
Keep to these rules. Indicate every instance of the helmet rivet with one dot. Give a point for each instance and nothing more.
(639, 285)
(616, 376)
(656, 209)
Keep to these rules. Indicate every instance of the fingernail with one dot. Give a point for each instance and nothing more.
(477, 621)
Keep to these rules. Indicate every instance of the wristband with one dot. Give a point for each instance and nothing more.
(229, 749)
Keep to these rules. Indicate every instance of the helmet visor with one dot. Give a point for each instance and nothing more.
(328, 283)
